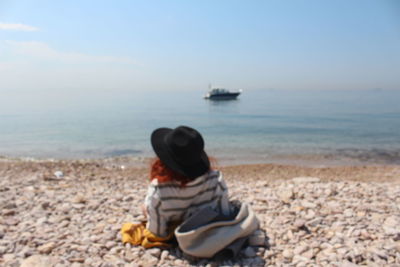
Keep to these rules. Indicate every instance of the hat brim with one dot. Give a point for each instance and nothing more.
(161, 149)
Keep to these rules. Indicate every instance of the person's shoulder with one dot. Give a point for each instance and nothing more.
(213, 173)
(157, 184)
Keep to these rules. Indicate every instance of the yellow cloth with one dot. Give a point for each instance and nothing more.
(138, 234)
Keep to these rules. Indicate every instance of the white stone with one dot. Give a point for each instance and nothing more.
(59, 174)
(287, 253)
(149, 260)
(285, 195)
(308, 204)
(164, 254)
(38, 261)
(156, 252)
(348, 213)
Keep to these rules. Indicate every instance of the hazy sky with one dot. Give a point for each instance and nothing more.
(185, 45)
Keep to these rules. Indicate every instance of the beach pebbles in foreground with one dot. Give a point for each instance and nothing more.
(75, 220)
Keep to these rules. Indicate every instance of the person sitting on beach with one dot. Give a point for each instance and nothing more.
(182, 184)
(182, 181)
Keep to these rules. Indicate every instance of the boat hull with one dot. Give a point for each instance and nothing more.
(227, 96)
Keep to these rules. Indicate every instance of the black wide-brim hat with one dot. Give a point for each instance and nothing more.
(182, 150)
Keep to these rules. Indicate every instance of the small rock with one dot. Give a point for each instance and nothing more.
(10, 206)
(299, 223)
(3, 250)
(77, 259)
(308, 205)
(130, 256)
(149, 260)
(39, 261)
(127, 198)
(380, 253)
(164, 254)
(59, 174)
(110, 244)
(310, 215)
(285, 195)
(309, 254)
(392, 221)
(156, 252)
(79, 199)
(47, 248)
(287, 253)
(300, 249)
(45, 205)
(25, 252)
(348, 213)
(8, 212)
(11, 221)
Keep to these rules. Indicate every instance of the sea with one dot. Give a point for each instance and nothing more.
(317, 127)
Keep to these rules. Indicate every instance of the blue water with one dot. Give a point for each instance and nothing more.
(261, 126)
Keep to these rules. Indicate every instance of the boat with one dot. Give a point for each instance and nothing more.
(222, 94)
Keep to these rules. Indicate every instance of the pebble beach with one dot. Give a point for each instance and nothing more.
(69, 213)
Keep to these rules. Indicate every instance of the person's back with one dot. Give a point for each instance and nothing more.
(168, 202)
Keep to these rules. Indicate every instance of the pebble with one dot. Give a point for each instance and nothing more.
(38, 261)
(304, 221)
(110, 244)
(287, 253)
(300, 249)
(285, 195)
(156, 252)
(164, 255)
(59, 174)
(47, 248)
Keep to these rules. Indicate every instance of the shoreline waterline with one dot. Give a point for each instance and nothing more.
(349, 157)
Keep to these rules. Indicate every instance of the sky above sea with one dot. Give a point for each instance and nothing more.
(169, 45)
(84, 79)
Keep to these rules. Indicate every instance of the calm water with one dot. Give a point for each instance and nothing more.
(261, 126)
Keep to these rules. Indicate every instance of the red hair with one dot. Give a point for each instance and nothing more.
(163, 174)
